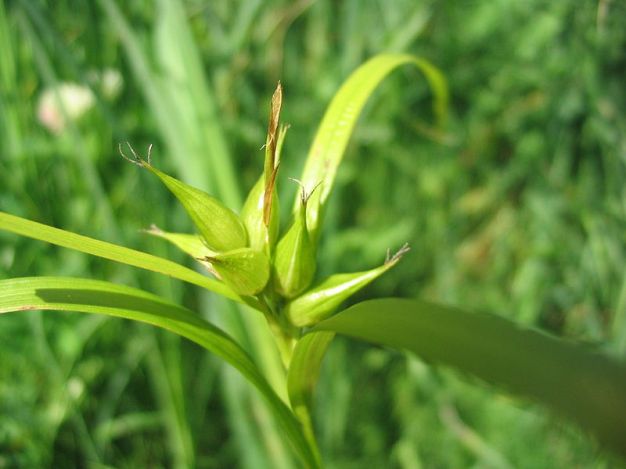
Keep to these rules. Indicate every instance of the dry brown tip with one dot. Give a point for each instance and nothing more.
(272, 128)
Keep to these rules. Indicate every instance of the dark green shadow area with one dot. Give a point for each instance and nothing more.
(572, 379)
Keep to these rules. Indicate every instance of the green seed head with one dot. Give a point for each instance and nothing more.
(220, 227)
(294, 264)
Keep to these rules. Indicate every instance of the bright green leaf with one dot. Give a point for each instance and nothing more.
(110, 251)
(304, 371)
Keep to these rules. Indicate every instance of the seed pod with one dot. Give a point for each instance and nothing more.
(193, 245)
(294, 264)
(246, 271)
(260, 236)
(321, 301)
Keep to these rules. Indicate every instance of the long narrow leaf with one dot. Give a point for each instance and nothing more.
(573, 380)
(341, 116)
(184, 80)
(110, 251)
(92, 296)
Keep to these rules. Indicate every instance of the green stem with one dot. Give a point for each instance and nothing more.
(304, 417)
(285, 339)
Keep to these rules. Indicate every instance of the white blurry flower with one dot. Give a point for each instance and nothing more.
(64, 101)
(111, 83)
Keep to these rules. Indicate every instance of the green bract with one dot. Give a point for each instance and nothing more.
(220, 227)
(322, 300)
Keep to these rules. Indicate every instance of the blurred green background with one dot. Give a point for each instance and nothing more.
(517, 207)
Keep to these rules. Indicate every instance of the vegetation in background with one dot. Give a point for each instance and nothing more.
(520, 212)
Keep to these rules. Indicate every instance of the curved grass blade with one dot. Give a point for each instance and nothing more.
(577, 382)
(112, 252)
(341, 116)
(93, 296)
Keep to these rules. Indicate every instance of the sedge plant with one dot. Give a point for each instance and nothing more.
(249, 260)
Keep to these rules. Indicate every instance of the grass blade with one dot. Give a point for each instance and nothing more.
(110, 251)
(575, 381)
(183, 78)
(191, 169)
(92, 296)
(341, 116)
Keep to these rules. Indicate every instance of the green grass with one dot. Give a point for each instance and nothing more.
(517, 209)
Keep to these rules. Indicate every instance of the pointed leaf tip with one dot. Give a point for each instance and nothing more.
(321, 301)
(220, 227)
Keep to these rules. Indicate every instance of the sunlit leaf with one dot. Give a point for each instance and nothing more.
(110, 251)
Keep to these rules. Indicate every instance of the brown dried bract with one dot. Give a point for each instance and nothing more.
(271, 165)
(272, 128)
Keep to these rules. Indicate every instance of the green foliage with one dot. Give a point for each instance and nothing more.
(109, 251)
(88, 296)
(244, 270)
(517, 208)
